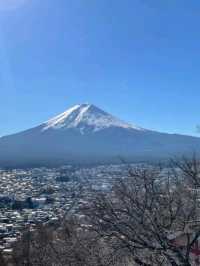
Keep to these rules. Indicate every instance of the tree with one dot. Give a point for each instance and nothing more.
(145, 212)
(70, 244)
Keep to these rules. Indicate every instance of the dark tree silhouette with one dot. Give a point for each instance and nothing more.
(146, 212)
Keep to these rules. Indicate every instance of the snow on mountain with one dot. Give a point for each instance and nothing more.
(84, 116)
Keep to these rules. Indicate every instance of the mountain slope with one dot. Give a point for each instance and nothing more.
(86, 134)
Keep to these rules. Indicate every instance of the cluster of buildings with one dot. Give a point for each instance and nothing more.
(41, 195)
(44, 195)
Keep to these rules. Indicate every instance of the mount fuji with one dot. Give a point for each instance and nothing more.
(85, 134)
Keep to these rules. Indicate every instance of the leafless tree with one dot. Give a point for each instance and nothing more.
(68, 245)
(145, 211)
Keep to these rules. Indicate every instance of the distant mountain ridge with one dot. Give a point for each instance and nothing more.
(87, 134)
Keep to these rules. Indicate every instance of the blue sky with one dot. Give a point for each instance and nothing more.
(138, 59)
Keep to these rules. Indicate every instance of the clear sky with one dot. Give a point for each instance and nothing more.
(138, 59)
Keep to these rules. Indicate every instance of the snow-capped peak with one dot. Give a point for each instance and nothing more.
(86, 116)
